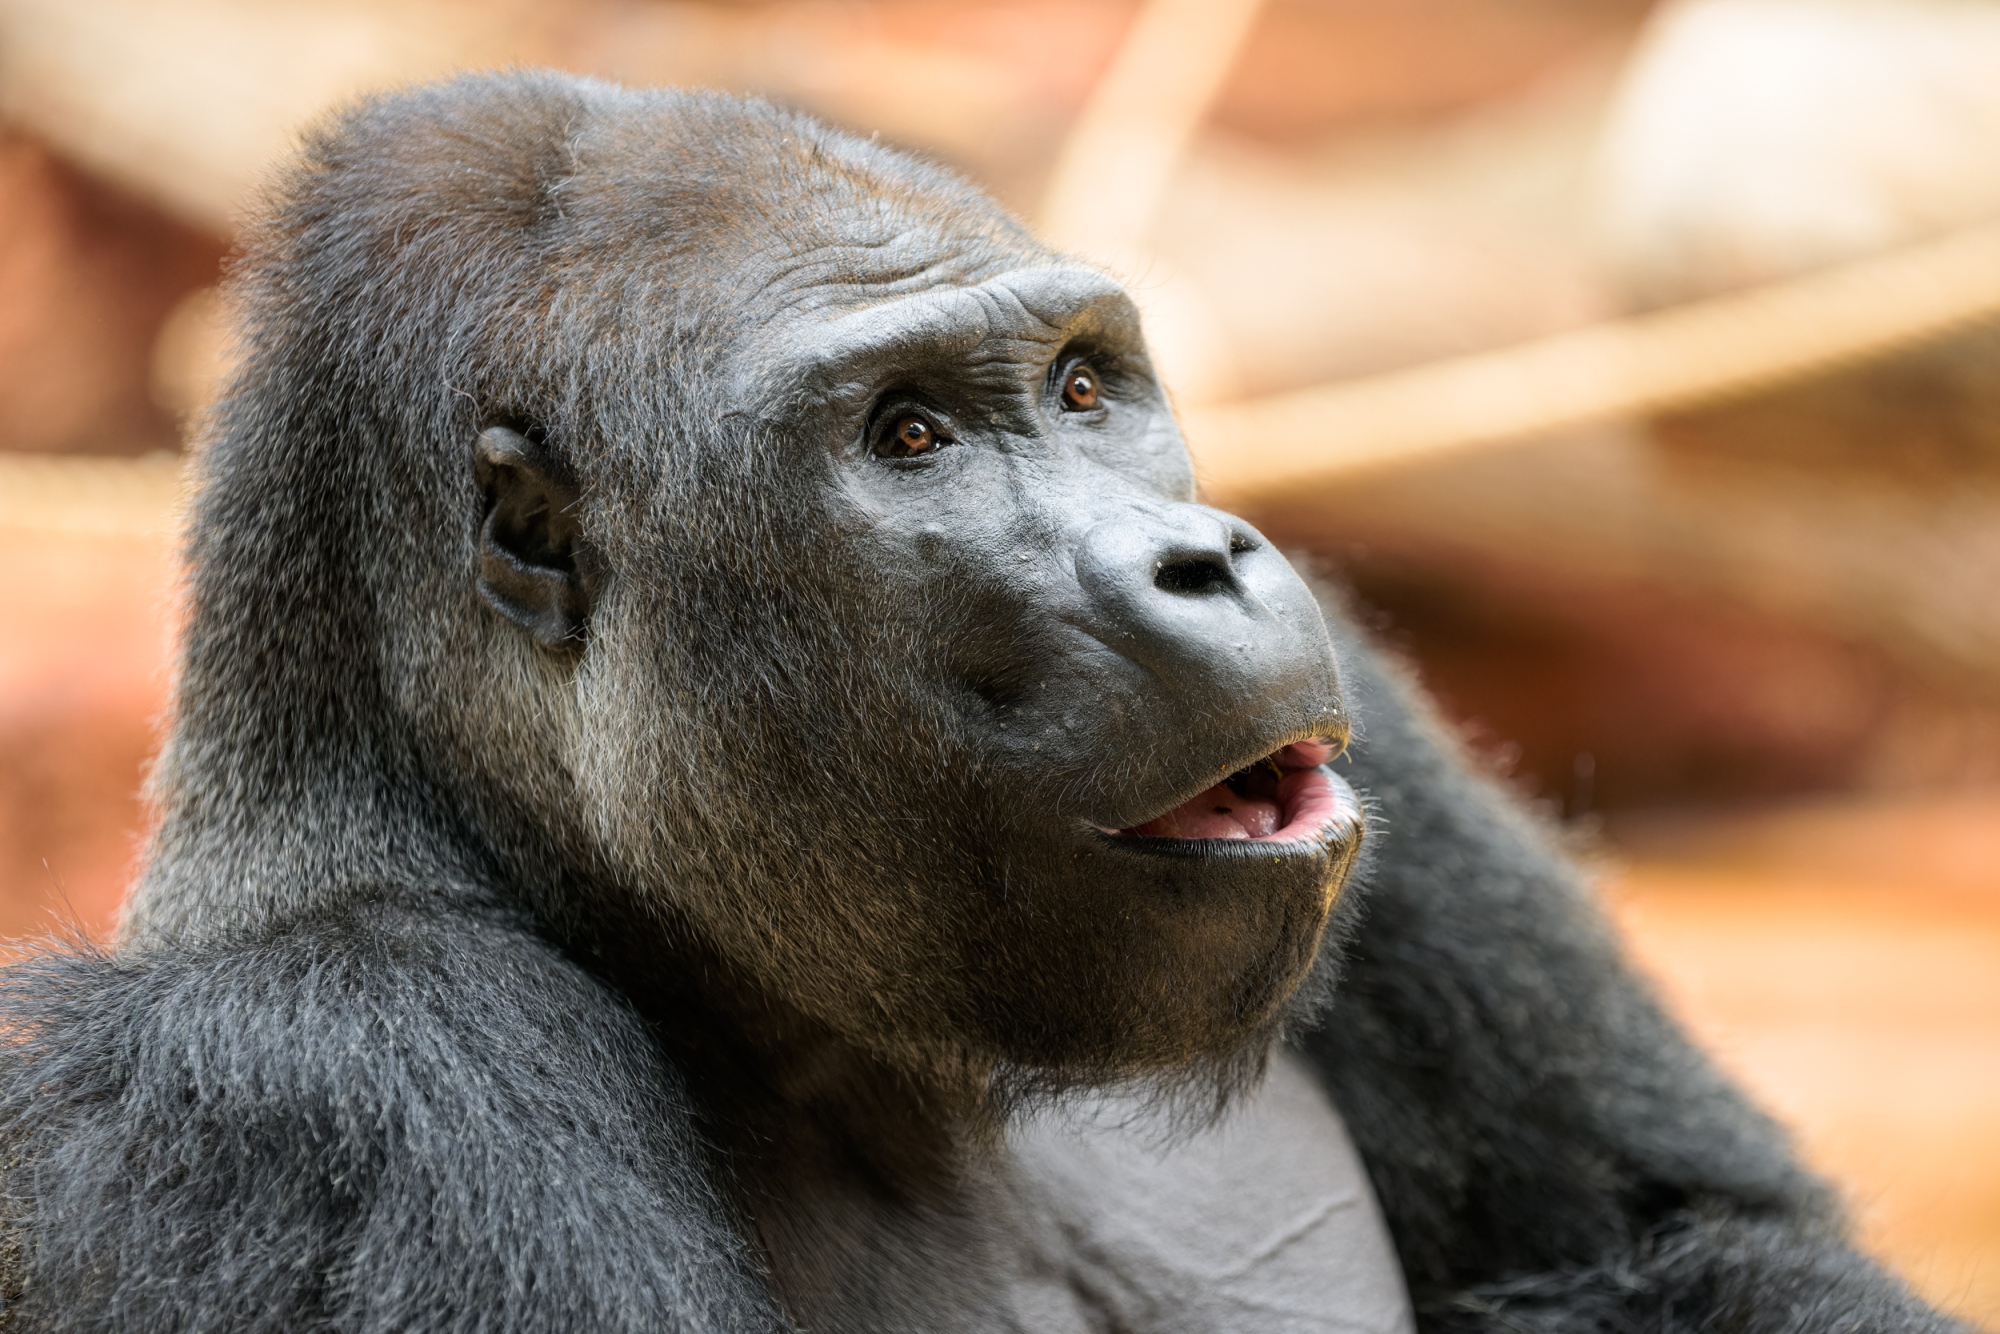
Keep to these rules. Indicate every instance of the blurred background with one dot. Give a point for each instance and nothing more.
(1636, 364)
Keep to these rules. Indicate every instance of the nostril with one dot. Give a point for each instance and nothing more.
(1192, 575)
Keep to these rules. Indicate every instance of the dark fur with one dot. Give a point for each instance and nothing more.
(438, 1010)
(1551, 1152)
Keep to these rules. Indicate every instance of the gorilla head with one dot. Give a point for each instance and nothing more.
(751, 555)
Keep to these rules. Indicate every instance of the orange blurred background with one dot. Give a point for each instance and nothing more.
(1744, 645)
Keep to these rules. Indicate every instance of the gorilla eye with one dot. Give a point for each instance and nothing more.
(909, 435)
(1080, 389)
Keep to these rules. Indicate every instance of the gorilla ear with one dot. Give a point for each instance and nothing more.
(527, 541)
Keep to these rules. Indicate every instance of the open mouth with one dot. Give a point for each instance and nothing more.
(1286, 797)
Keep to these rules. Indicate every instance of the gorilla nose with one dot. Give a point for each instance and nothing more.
(1202, 599)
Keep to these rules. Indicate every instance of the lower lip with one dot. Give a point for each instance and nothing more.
(1323, 806)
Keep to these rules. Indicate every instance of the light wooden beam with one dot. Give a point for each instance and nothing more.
(1114, 168)
(1628, 369)
(79, 495)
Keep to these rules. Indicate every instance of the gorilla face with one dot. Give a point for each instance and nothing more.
(915, 681)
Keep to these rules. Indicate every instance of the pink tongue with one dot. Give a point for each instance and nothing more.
(1216, 813)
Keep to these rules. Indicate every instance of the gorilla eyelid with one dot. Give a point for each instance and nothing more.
(902, 431)
(1080, 388)
(1077, 382)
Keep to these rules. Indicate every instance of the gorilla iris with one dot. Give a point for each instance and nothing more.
(721, 779)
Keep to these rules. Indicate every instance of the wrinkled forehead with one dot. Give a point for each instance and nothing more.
(813, 266)
(842, 351)
(773, 211)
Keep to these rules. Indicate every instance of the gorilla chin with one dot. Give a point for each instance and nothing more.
(1191, 939)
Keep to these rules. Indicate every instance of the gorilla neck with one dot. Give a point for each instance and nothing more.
(879, 1205)
(763, 1073)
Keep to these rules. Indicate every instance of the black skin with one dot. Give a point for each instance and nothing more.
(620, 766)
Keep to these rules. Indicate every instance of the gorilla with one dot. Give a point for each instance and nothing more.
(722, 780)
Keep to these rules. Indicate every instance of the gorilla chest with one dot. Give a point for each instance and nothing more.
(1100, 1219)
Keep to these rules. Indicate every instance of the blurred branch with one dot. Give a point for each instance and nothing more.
(1696, 353)
(1121, 153)
(191, 101)
(90, 497)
